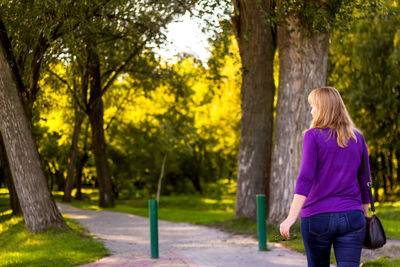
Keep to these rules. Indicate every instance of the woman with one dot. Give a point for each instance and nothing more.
(331, 192)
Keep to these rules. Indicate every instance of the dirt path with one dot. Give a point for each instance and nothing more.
(180, 244)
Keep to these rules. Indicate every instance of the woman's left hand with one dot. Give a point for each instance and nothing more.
(285, 227)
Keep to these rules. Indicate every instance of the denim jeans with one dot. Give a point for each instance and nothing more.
(345, 230)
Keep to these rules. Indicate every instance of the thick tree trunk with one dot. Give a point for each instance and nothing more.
(303, 62)
(106, 198)
(73, 154)
(256, 45)
(14, 202)
(38, 206)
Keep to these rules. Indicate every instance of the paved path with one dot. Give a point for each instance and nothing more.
(180, 244)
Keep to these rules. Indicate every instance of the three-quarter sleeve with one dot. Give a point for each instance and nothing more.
(364, 175)
(308, 165)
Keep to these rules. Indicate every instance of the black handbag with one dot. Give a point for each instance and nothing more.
(375, 236)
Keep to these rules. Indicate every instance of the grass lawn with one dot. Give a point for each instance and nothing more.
(55, 247)
(384, 261)
(389, 214)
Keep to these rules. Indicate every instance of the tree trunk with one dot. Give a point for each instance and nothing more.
(257, 48)
(303, 62)
(106, 198)
(81, 163)
(37, 204)
(14, 202)
(73, 154)
(79, 172)
(373, 161)
(37, 58)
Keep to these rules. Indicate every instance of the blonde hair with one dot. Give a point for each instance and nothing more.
(331, 112)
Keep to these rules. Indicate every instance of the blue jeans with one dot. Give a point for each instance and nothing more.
(345, 230)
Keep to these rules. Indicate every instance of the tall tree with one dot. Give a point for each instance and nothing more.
(304, 30)
(303, 59)
(73, 154)
(38, 206)
(303, 67)
(114, 39)
(31, 37)
(257, 49)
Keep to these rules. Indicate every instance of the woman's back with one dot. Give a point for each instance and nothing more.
(329, 173)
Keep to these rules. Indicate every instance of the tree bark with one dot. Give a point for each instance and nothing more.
(106, 198)
(303, 62)
(73, 154)
(14, 202)
(38, 206)
(257, 47)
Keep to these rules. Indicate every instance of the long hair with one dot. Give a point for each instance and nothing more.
(331, 112)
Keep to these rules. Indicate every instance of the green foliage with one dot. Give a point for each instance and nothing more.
(322, 16)
(365, 68)
(182, 110)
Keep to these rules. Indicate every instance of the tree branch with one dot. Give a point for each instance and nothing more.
(69, 89)
(120, 69)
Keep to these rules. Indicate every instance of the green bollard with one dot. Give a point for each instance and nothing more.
(261, 223)
(153, 228)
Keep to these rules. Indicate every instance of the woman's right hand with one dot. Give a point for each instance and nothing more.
(365, 209)
(285, 227)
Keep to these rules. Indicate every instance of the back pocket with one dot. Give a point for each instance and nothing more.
(320, 224)
(357, 221)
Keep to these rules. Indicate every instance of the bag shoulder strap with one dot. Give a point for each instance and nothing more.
(364, 161)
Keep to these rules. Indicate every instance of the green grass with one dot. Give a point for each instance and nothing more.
(389, 214)
(384, 261)
(55, 247)
(190, 209)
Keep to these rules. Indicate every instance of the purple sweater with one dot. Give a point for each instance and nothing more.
(329, 174)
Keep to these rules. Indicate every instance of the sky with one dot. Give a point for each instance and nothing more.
(185, 36)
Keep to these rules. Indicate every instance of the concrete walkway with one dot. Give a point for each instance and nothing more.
(127, 236)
